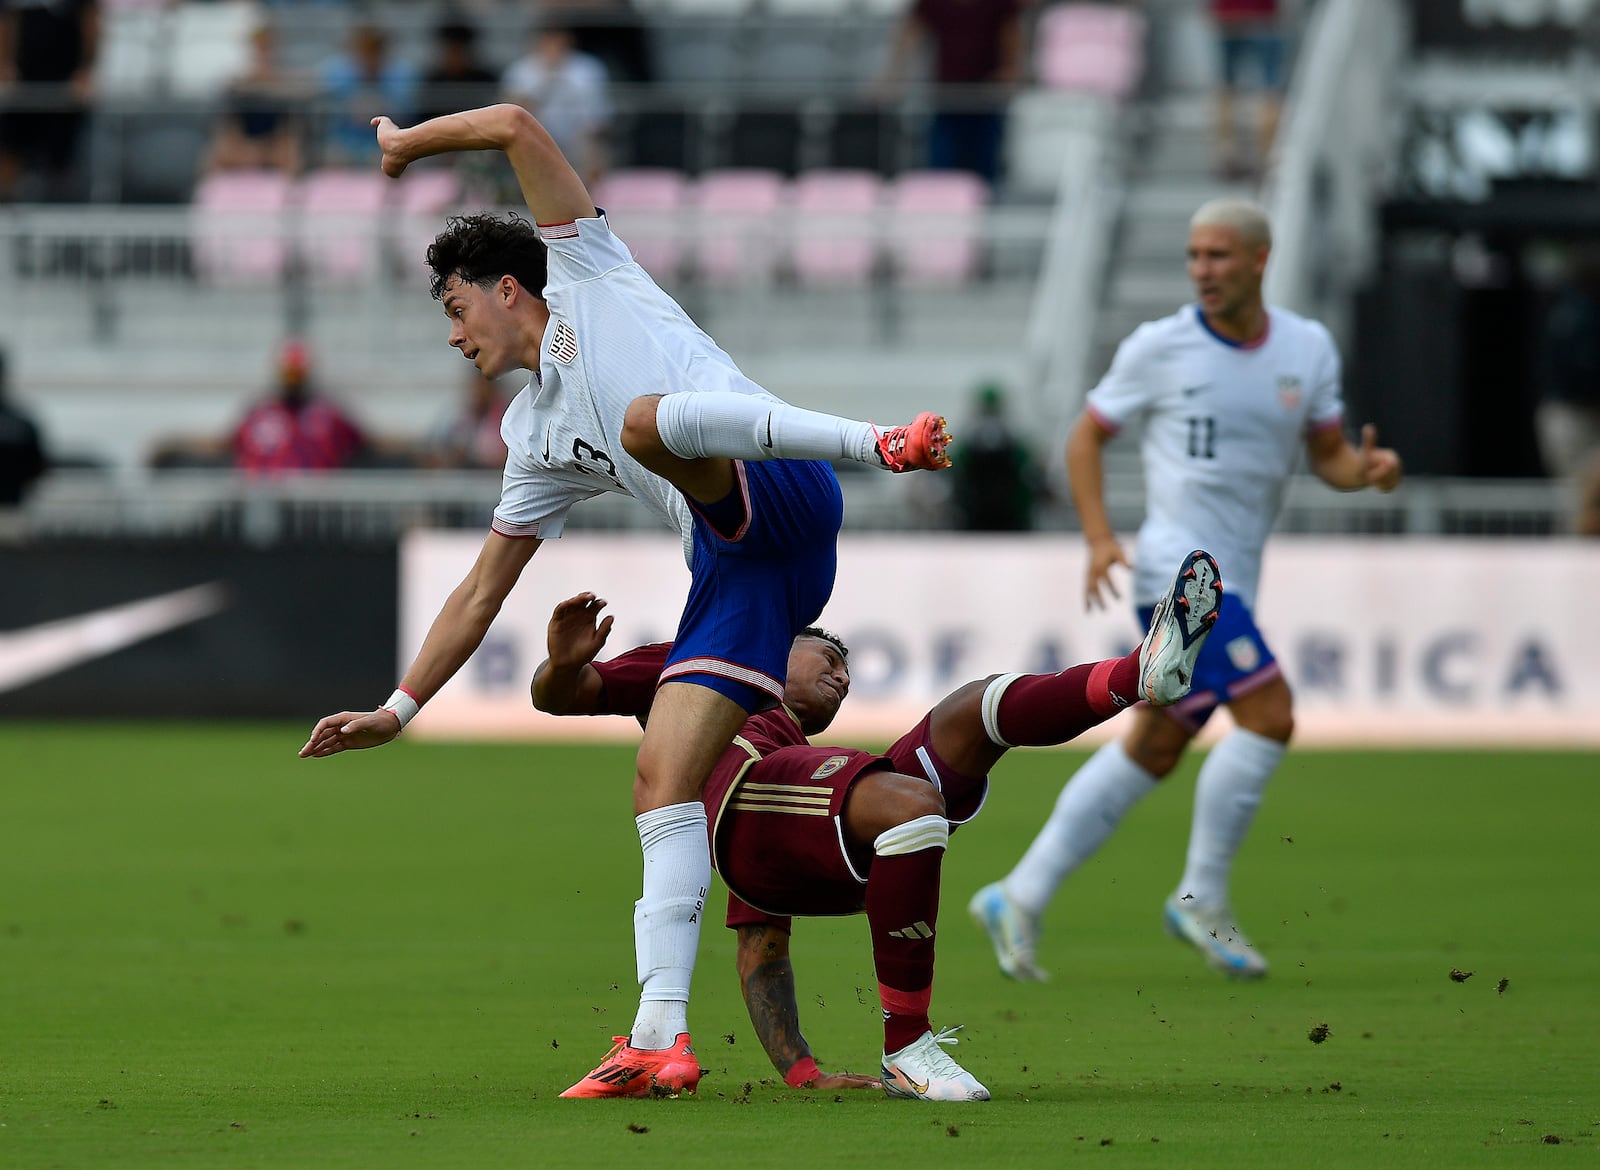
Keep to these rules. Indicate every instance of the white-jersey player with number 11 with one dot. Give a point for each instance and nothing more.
(1229, 392)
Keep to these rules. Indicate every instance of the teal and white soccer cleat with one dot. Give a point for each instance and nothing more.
(1012, 931)
(1212, 931)
(924, 1071)
(1178, 629)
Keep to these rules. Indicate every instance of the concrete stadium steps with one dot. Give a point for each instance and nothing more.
(169, 358)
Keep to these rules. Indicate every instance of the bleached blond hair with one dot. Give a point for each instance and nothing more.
(1243, 216)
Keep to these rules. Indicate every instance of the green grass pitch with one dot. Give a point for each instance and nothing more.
(213, 954)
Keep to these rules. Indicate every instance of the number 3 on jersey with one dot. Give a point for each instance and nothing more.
(1202, 438)
(583, 455)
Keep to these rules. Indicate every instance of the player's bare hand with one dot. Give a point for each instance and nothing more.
(577, 633)
(1103, 553)
(1380, 466)
(349, 730)
(392, 141)
(831, 1081)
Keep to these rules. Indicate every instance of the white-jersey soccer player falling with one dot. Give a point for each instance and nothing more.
(613, 334)
(1215, 462)
(624, 381)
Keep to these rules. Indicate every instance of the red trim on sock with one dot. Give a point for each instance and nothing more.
(1098, 691)
(1045, 709)
(905, 1016)
(905, 1003)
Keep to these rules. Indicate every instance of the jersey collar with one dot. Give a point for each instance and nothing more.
(1200, 317)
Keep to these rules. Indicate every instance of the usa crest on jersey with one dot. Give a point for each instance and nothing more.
(564, 344)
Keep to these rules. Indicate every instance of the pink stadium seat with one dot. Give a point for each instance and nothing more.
(427, 197)
(237, 227)
(429, 191)
(1090, 48)
(645, 207)
(835, 219)
(935, 233)
(340, 224)
(741, 225)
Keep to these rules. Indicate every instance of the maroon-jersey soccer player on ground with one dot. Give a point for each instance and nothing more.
(803, 830)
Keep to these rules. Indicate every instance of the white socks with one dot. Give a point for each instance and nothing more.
(1226, 797)
(1091, 805)
(752, 426)
(666, 918)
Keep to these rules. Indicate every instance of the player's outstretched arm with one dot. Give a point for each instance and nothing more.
(1086, 474)
(766, 977)
(1335, 461)
(550, 187)
(565, 683)
(454, 635)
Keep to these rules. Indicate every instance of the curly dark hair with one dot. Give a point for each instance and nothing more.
(827, 636)
(480, 249)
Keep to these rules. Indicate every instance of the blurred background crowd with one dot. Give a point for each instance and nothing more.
(870, 203)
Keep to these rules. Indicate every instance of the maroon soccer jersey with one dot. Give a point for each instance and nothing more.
(774, 802)
(630, 680)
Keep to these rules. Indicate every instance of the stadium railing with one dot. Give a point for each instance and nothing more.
(1335, 150)
(377, 506)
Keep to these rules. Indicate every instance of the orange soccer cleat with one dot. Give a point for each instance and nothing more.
(917, 446)
(642, 1072)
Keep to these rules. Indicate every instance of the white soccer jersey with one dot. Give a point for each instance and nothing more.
(1223, 427)
(613, 335)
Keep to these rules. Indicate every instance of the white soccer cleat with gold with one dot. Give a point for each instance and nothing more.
(1178, 629)
(924, 1071)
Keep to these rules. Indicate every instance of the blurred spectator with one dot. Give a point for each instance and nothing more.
(994, 480)
(292, 429)
(356, 87)
(611, 30)
(973, 42)
(258, 129)
(48, 43)
(567, 91)
(470, 437)
(22, 459)
(1251, 46)
(457, 80)
(1567, 419)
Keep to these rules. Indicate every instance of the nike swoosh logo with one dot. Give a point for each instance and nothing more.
(28, 655)
(546, 455)
(767, 442)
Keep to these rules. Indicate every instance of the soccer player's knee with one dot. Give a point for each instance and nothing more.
(1278, 725)
(640, 438)
(1156, 754)
(657, 787)
(913, 836)
(910, 801)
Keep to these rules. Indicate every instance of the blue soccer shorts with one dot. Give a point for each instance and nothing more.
(757, 584)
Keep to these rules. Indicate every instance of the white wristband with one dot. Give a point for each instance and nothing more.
(404, 707)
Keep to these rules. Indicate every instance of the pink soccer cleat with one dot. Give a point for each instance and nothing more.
(642, 1072)
(918, 446)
